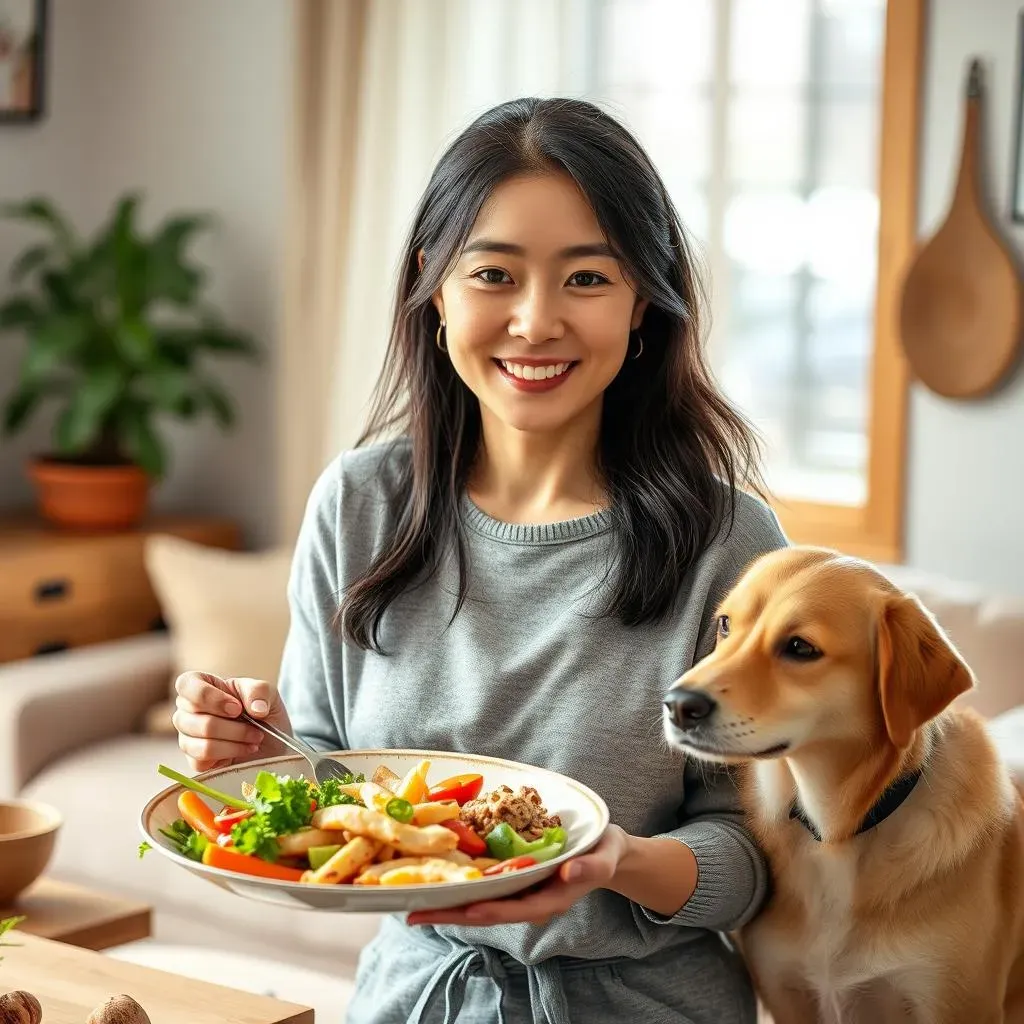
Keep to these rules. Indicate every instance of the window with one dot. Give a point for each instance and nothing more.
(786, 133)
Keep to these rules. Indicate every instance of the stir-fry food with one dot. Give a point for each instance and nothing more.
(386, 831)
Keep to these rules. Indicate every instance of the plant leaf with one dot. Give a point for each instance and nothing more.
(134, 340)
(129, 256)
(19, 407)
(18, 311)
(172, 388)
(168, 276)
(54, 341)
(218, 340)
(33, 257)
(61, 289)
(80, 423)
(217, 400)
(141, 440)
(43, 212)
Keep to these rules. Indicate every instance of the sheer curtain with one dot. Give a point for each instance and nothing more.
(381, 87)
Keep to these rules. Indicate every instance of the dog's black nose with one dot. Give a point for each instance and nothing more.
(689, 708)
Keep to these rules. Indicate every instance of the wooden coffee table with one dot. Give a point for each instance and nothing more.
(79, 916)
(70, 983)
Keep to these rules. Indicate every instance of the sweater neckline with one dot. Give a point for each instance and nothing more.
(534, 533)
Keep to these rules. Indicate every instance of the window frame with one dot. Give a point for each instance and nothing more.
(874, 530)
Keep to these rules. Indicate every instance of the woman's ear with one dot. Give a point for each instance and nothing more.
(639, 308)
(919, 671)
(420, 260)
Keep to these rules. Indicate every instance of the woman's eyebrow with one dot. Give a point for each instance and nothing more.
(509, 248)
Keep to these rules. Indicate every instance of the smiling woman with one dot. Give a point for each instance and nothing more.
(524, 570)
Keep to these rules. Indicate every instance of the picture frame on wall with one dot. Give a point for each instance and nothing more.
(1017, 178)
(22, 60)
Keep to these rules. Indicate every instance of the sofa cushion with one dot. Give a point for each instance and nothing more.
(227, 611)
(101, 791)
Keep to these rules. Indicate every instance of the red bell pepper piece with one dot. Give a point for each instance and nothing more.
(512, 864)
(469, 842)
(460, 788)
(228, 818)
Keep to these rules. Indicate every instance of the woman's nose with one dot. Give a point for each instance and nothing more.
(537, 317)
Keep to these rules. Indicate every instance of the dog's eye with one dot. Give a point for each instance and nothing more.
(723, 625)
(800, 650)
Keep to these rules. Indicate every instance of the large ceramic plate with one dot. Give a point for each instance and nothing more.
(583, 814)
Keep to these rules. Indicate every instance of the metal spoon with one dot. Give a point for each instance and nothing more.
(323, 767)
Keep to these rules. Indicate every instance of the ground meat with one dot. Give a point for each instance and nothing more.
(522, 809)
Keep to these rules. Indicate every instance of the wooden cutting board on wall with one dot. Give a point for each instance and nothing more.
(961, 311)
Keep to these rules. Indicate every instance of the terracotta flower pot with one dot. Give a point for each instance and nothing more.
(90, 497)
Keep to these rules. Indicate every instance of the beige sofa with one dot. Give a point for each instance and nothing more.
(68, 736)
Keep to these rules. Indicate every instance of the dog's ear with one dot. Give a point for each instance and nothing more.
(919, 671)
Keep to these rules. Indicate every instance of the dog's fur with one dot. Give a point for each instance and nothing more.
(920, 918)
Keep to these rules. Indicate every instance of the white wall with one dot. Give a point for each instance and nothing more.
(187, 101)
(965, 512)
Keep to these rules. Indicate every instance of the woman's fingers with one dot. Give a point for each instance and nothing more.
(208, 694)
(256, 694)
(204, 751)
(210, 727)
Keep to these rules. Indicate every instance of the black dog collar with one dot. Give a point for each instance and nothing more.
(887, 804)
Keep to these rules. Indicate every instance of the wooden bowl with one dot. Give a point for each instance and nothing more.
(28, 831)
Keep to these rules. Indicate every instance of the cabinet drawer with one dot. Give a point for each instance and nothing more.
(63, 588)
(43, 634)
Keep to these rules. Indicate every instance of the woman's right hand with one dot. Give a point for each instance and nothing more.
(206, 709)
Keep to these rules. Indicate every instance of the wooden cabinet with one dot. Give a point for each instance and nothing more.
(62, 588)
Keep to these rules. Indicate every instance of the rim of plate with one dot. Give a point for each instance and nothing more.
(602, 820)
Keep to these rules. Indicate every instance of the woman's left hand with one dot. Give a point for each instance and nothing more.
(573, 880)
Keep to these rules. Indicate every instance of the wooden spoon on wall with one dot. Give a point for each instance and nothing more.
(960, 316)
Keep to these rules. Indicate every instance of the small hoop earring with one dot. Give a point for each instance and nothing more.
(437, 339)
(640, 350)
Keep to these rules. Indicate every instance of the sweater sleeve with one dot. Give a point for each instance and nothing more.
(732, 874)
(304, 683)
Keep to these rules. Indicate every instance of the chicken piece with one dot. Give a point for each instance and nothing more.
(345, 864)
(407, 839)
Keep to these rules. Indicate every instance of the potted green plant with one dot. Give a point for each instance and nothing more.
(118, 334)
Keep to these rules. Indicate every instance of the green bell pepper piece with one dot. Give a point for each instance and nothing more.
(503, 843)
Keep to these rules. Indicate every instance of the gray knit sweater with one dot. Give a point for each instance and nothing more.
(529, 670)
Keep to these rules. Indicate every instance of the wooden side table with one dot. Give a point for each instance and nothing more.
(79, 916)
(65, 588)
(70, 983)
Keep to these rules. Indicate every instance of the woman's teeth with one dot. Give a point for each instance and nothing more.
(534, 372)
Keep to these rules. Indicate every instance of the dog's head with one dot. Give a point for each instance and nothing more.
(813, 646)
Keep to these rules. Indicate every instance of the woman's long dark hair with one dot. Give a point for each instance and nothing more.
(672, 449)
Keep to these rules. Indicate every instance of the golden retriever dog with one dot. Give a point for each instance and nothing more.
(894, 834)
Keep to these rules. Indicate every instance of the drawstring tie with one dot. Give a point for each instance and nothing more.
(464, 962)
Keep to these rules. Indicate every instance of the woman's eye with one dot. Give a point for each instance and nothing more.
(723, 625)
(587, 279)
(799, 649)
(491, 275)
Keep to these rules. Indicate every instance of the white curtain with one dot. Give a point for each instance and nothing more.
(382, 86)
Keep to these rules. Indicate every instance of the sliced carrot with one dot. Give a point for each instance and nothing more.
(198, 814)
(231, 860)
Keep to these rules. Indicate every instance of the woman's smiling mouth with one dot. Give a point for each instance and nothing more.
(535, 374)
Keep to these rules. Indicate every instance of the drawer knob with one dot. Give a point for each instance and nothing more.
(51, 648)
(52, 590)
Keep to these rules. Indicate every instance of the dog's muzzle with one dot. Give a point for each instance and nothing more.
(689, 709)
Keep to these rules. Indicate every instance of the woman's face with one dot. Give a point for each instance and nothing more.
(538, 311)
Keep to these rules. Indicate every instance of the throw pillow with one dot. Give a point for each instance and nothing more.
(227, 611)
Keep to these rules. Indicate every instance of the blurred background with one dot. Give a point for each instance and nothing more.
(308, 130)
